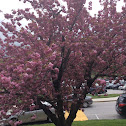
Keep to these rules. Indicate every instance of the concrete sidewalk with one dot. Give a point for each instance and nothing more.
(105, 99)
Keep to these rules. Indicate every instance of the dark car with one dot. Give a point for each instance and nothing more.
(97, 90)
(121, 104)
(87, 102)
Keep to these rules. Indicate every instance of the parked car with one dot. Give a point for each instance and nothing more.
(121, 104)
(116, 86)
(98, 87)
(87, 102)
(109, 85)
(98, 90)
(29, 116)
(122, 87)
(123, 82)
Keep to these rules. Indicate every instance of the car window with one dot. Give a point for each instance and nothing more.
(121, 99)
(124, 100)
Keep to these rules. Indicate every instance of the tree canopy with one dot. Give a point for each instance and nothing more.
(59, 52)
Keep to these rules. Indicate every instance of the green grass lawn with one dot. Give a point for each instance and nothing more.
(103, 96)
(117, 122)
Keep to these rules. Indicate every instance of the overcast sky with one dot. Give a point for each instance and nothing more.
(7, 5)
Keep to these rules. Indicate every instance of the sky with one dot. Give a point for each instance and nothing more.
(7, 5)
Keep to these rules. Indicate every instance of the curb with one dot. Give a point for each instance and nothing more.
(105, 99)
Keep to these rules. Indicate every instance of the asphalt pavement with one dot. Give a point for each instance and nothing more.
(106, 100)
(81, 115)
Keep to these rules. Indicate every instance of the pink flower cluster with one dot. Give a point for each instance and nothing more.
(5, 80)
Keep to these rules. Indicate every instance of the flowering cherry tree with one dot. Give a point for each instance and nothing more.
(61, 51)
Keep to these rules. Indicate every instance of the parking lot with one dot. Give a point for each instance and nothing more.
(111, 91)
(102, 110)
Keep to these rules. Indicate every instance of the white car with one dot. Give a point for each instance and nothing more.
(122, 87)
(28, 116)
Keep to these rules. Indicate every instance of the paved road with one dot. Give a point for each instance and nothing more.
(102, 110)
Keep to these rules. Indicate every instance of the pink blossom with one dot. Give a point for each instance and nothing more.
(103, 52)
(25, 75)
(102, 62)
(32, 107)
(28, 70)
(37, 55)
(30, 75)
(48, 50)
(50, 65)
(43, 90)
(26, 9)
(17, 123)
(5, 79)
(56, 70)
(8, 16)
(31, 100)
(15, 84)
(102, 81)
(14, 12)
(11, 122)
(53, 57)
(3, 112)
(54, 77)
(33, 117)
(76, 44)
(54, 46)
(19, 24)
(32, 63)
(20, 69)
(105, 94)
(94, 51)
